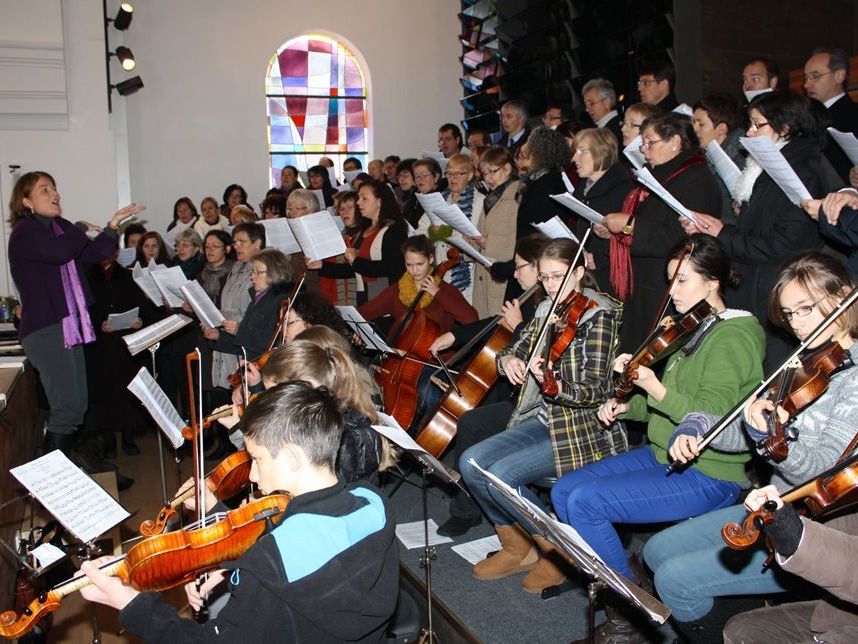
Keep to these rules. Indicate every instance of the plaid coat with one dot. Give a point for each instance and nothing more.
(586, 367)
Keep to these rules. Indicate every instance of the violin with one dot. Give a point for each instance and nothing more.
(471, 386)
(835, 489)
(164, 561)
(801, 383)
(397, 376)
(564, 328)
(229, 478)
(672, 334)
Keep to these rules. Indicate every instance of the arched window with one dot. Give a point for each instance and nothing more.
(316, 97)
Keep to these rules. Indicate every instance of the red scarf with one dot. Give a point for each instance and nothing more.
(622, 272)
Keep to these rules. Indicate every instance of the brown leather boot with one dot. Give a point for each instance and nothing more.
(550, 571)
(517, 554)
(616, 630)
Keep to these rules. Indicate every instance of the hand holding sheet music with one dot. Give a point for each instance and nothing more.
(202, 305)
(453, 216)
(169, 282)
(143, 278)
(462, 244)
(847, 142)
(647, 179)
(777, 167)
(567, 200)
(121, 321)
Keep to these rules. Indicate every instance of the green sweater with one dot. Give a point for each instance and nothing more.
(726, 365)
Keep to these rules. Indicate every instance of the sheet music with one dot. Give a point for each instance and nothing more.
(554, 228)
(633, 153)
(338, 221)
(413, 534)
(344, 187)
(475, 551)
(317, 235)
(320, 197)
(393, 431)
(304, 178)
(146, 337)
(847, 142)
(279, 235)
(126, 257)
(645, 177)
(159, 406)
(170, 281)
(364, 329)
(568, 183)
(74, 499)
(568, 200)
(202, 305)
(143, 278)
(350, 175)
(724, 166)
(684, 108)
(120, 321)
(461, 243)
(411, 229)
(452, 215)
(440, 158)
(777, 167)
(430, 203)
(332, 176)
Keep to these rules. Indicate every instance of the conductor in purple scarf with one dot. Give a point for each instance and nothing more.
(46, 253)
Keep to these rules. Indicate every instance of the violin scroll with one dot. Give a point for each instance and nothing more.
(741, 536)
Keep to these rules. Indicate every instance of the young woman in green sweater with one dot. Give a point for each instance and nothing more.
(719, 365)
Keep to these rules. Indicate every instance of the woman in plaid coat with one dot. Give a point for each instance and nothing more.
(547, 436)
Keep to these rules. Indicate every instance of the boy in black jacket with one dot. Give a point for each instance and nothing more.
(327, 570)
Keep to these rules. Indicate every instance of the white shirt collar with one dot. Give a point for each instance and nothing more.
(831, 101)
(513, 138)
(602, 122)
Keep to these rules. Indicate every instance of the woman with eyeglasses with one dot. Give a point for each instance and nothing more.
(547, 435)
(646, 228)
(770, 228)
(428, 178)
(695, 572)
(633, 119)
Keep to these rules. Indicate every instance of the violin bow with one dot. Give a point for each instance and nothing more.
(734, 413)
(546, 323)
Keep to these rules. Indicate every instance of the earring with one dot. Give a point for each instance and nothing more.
(674, 148)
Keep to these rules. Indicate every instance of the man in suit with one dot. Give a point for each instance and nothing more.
(656, 80)
(600, 101)
(825, 75)
(514, 124)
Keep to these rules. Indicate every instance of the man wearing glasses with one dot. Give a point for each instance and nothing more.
(656, 81)
(600, 100)
(825, 76)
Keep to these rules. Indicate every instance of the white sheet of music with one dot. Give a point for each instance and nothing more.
(146, 337)
(371, 340)
(143, 278)
(724, 166)
(126, 257)
(847, 142)
(647, 179)
(568, 200)
(554, 228)
(453, 216)
(202, 305)
(777, 167)
(633, 153)
(438, 156)
(431, 202)
(120, 321)
(461, 243)
(279, 235)
(73, 498)
(170, 281)
(332, 176)
(317, 235)
(158, 405)
(684, 108)
(568, 183)
(320, 197)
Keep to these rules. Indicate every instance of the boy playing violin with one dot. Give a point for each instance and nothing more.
(326, 570)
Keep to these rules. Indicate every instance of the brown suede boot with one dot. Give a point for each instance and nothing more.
(550, 571)
(517, 554)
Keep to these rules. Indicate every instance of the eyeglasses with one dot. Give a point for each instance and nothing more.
(423, 176)
(815, 76)
(644, 82)
(582, 150)
(492, 171)
(240, 242)
(648, 144)
(554, 277)
(800, 312)
(756, 126)
(254, 271)
(637, 126)
(450, 174)
(291, 322)
(596, 102)
(519, 267)
(213, 247)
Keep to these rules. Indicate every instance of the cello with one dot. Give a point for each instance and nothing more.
(397, 376)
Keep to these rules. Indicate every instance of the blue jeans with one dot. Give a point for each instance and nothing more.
(633, 487)
(693, 565)
(517, 456)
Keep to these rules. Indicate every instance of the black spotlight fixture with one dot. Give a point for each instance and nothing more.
(126, 58)
(128, 86)
(123, 16)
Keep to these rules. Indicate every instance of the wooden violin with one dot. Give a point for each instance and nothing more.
(834, 489)
(563, 331)
(673, 333)
(166, 560)
(802, 382)
(226, 480)
(397, 376)
(471, 386)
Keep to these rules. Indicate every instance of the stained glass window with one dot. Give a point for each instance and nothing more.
(316, 105)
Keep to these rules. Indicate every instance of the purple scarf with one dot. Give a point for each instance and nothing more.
(77, 320)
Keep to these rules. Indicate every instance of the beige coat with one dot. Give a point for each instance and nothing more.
(498, 227)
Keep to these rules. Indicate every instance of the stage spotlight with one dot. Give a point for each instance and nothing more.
(129, 86)
(124, 16)
(126, 58)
